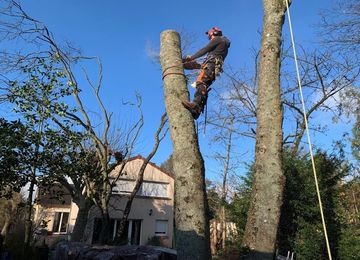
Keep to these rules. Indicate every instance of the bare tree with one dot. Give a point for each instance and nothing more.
(20, 25)
(324, 78)
(140, 177)
(340, 27)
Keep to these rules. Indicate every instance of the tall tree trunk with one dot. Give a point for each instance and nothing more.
(28, 213)
(224, 189)
(263, 216)
(223, 228)
(84, 206)
(191, 219)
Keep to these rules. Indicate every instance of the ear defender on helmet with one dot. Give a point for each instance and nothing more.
(215, 31)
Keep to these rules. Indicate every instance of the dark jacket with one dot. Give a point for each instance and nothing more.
(217, 47)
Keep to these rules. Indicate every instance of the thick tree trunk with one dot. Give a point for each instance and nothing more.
(84, 205)
(105, 232)
(263, 216)
(191, 219)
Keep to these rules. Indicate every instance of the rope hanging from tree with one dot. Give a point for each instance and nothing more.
(307, 132)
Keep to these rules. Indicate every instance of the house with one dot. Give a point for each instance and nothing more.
(150, 219)
(55, 211)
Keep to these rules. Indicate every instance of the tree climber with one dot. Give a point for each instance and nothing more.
(217, 49)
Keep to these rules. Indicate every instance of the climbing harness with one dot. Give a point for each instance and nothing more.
(219, 62)
(178, 70)
(308, 133)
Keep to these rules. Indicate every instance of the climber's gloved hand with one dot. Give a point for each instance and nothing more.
(187, 58)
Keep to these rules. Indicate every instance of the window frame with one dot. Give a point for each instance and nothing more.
(160, 234)
(61, 214)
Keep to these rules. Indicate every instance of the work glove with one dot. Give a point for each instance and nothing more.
(187, 58)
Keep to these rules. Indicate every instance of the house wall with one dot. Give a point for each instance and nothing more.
(146, 209)
(161, 208)
(47, 215)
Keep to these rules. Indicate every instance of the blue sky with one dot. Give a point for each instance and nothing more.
(120, 33)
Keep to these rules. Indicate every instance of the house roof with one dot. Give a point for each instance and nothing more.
(152, 164)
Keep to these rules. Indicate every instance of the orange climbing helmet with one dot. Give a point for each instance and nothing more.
(215, 31)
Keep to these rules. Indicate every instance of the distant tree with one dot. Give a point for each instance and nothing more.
(340, 27)
(36, 99)
(214, 199)
(239, 206)
(223, 136)
(14, 155)
(168, 165)
(24, 156)
(300, 224)
(10, 207)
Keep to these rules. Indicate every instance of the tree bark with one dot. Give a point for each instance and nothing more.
(263, 216)
(105, 232)
(84, 205)
(191, 219)
(213, 240)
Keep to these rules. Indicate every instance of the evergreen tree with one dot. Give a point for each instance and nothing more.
(300, 224)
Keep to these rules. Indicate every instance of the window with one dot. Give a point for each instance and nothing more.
(148, 189)
(152, 189)
(60, 222)
(131, 234)
(161, 227)
(123, 186)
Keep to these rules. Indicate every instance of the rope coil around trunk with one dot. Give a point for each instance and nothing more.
(179, 67)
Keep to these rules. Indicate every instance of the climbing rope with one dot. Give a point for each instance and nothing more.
(166, 73)
(307, 132)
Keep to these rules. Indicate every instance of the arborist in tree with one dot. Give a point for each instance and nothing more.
(217, 49)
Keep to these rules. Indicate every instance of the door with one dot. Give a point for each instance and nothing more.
(134, 231)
